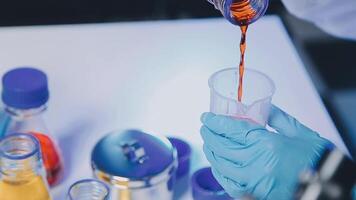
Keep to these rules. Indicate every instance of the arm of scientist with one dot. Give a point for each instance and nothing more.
(337, 17)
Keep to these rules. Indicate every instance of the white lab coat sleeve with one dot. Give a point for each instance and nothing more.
(337, 17)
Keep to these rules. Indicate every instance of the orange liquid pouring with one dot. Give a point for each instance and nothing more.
(242, 61)
(242, 12)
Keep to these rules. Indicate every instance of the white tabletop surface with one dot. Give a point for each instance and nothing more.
(151, 76)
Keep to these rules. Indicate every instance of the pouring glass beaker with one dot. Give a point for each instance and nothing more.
(241, 12)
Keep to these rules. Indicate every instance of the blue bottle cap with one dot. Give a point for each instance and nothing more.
(184, 153)
(25, 88)
(205, 186)
(133, 154)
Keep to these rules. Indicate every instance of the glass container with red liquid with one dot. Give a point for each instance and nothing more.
(25, 94)
(241, 12)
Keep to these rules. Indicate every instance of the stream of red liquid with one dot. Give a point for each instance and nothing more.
(242, 61)
(242, 12)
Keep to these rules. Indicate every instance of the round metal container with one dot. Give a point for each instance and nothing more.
(136, 165)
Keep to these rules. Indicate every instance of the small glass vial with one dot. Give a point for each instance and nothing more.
(241, 12)
(25, 94)
(88, 189)
(21, 169)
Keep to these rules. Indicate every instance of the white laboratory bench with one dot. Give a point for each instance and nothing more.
(151, 76)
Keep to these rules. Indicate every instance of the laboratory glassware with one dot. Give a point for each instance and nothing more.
(22, 176)
(258, 91)
(88, 189)
(137, 165)
(25, 94)
(241, 12)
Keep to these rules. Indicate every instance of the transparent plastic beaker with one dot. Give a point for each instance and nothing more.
(258, 90)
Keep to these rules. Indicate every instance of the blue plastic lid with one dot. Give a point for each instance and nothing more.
(184, 153)
(25, 88)
(132, 154)
(206, 187)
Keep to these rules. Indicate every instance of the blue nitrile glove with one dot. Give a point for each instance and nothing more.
(248, 159)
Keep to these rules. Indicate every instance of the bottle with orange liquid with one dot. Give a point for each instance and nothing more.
(25, 94)
(241, 12)
(22, 176)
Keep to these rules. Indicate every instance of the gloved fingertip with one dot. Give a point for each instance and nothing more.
(206, 116)
(209, 154)
(233, 189)
(286, 124)
(218, 176)
(275, 111)
(278, 117)
(203, 131)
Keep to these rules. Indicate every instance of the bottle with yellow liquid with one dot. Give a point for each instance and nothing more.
(22, 175)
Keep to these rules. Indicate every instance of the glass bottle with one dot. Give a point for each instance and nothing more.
(25, 94)
(88, 189)
(241, 12)
(21, 169)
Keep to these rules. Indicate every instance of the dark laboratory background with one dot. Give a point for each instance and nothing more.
(331, 62)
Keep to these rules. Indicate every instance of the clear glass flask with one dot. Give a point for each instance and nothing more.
(22, 176)
(25, 94)
(88, 189)
(241, 12)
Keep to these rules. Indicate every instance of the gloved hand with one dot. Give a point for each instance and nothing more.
(246, 158)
